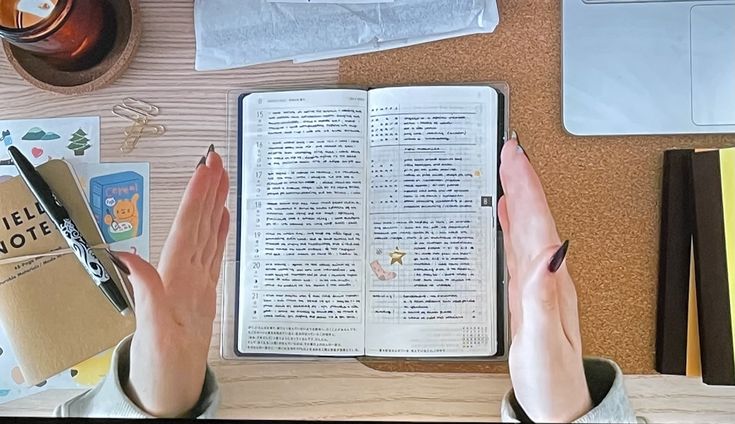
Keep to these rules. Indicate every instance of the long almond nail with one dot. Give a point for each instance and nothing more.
(211, 149)
(514, 136)
(202, 161)
(118, 263)
(558, 258)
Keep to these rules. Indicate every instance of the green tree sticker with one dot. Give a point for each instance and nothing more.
(78, 143)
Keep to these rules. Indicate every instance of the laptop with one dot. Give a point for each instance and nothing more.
(648, 67)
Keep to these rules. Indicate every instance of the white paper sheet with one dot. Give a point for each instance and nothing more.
(314, 170)
(234, 33)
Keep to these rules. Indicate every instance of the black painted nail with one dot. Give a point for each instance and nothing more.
(514, 136)
(202, 161)
(118, 263)
(558, 258)
(211, 149)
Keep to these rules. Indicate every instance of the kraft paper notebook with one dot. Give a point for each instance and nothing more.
(53, 314)
(367, 223)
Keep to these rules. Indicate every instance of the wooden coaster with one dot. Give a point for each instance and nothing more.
(35, 70)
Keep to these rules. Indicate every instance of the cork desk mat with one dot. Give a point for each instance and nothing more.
(604, 191)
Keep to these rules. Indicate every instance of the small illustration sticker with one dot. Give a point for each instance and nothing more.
(117, 204)
(17, 375)
(37, 134)
(79, 142)
(381, 273)
(93, 370)
(6, 138)
(396, 256)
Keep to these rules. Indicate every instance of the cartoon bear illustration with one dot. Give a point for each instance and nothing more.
(124, 220)
(117, 201)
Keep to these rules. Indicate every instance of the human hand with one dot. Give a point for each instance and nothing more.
(175, 305)
(545, 360)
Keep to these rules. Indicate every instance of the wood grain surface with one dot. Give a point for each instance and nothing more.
(193, 107)
(350, 391)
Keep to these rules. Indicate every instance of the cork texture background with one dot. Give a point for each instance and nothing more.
(604, 191)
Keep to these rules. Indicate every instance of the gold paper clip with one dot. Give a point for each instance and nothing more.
(130, 114)
(134, 133)
(148, 129)
(140, 113)
(140, 105)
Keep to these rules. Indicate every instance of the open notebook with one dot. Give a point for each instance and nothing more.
(367, 223)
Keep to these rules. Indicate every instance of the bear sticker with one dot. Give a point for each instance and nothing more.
(117, 205)
(124, 221)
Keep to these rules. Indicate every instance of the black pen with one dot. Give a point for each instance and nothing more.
(60, 217)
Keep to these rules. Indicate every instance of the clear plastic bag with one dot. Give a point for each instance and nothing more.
(234, 33)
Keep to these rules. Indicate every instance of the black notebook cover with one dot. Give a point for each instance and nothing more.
(677, 226)
(713, 300)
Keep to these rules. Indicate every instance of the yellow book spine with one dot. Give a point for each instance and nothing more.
(694, 358)
(727, 176)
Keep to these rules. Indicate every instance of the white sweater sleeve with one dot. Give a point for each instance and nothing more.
(609, 399)
(108, 399)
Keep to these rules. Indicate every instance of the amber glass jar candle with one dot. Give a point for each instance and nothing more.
(70, 34)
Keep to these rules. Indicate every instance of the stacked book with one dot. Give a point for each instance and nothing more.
(695, 326)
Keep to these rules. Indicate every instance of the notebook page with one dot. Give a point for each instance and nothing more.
(302, 228)
(431, 285)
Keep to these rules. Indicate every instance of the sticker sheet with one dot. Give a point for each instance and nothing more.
(77, 140)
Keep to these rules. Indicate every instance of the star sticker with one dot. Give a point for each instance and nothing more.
(396, 256)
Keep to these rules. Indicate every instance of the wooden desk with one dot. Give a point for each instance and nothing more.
(193, 110)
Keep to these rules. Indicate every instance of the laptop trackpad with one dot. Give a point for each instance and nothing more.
(713, 64)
